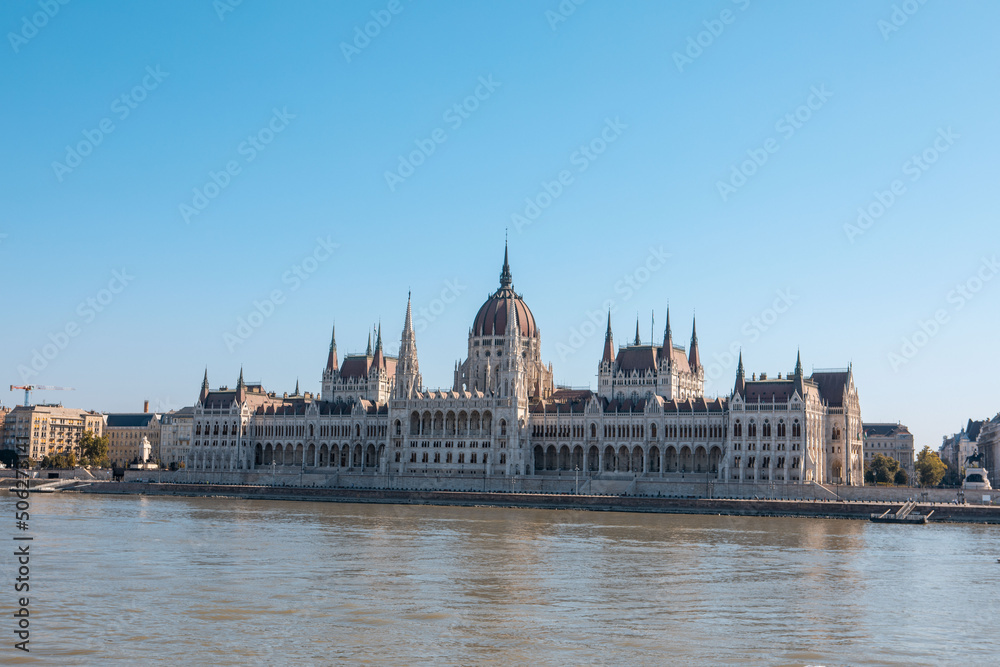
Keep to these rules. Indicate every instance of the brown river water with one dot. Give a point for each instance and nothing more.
(159, 580)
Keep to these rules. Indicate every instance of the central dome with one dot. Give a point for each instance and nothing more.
(491, 320)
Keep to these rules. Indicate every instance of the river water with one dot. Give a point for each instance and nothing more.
(160, 580)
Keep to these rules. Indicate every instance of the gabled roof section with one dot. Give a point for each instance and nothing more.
(764, 391)
(637, 358)
(884, 430)
(355, 366)
(973, 428)
(832, 386)
(130, 420)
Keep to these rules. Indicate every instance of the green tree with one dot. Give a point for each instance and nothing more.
(94, 450)
(883, 469)
(930, 468)
(953, 475)
(902, 478)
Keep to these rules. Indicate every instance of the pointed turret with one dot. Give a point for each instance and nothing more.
(741, 382)
(296, 387)
(331, 360)
(799, 375)
(204, 388)
(379, 359)
(506, 281)
(368, 352)
(609, 345)
(694, 359)
(668, 340)
(241, 388)
(638, 340)
(408, 322)
(407, 368)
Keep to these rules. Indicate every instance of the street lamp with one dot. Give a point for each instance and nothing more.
(576, 477)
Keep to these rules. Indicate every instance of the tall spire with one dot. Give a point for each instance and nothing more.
(241, 389)
(668, 336)
(204, 387)
(505, 278)
(379, 360)
(296, 386)
(368, 352)
(799, 375)
(407, 369)
(609, 344)
(694, 359)
(331, 360)
(408, 324)
(740, 377)
(638, 340)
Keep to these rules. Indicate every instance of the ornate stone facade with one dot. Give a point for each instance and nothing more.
(503, 416)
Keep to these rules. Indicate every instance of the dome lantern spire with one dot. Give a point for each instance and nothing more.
(505, 278)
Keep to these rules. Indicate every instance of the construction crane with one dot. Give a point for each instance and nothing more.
(28, 388)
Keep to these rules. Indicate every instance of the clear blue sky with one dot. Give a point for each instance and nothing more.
(206, 84)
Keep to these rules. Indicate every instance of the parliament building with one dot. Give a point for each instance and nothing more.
(503, 416)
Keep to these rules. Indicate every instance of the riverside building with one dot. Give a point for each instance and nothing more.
(892, 440)
(503, 416)
(41, 430)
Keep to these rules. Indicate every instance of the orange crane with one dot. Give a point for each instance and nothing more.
(28, 388)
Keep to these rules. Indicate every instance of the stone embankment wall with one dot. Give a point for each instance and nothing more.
(739, 507)
(672, 486)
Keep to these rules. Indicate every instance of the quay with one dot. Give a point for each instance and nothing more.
(829, 509)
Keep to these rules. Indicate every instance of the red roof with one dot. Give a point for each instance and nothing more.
(491, 320)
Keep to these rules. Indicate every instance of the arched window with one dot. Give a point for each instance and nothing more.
(766, 428)
(737, 429)
(652, 430)
(752, 429)
(781, 428)
(503, 428)
(796, 429)
(593, 430)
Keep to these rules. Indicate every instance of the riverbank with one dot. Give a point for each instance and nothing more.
(830, 509)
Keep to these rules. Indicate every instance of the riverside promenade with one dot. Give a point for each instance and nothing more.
(831, 509)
